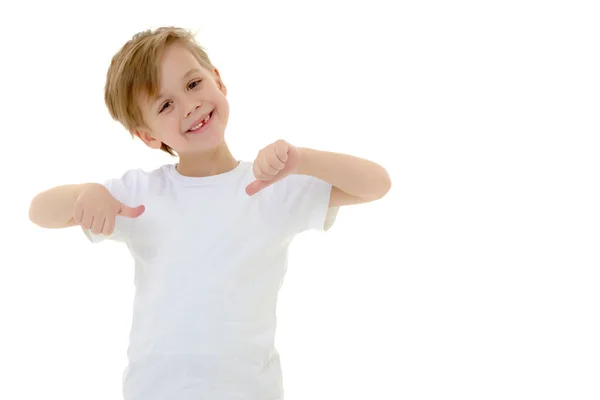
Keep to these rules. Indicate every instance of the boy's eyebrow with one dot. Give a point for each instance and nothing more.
(191, 72)
(187, 74)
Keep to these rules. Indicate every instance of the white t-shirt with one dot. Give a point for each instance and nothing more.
(209, 262)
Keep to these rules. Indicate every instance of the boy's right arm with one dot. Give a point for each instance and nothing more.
(90, 205)
(54, 207)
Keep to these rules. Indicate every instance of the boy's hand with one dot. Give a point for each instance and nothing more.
(96, 210)
(273, 163)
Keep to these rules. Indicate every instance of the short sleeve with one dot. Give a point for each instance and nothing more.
(305, 200)
(122, 189)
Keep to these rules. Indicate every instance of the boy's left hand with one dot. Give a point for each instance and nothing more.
(273, 163)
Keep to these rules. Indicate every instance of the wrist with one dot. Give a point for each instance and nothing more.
(306, 157)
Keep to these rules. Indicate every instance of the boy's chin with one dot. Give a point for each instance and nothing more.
(208, 145)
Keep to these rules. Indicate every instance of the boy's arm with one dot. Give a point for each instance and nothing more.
(354, 180)
(53, 208)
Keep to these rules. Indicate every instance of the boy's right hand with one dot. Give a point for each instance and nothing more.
(96, 209)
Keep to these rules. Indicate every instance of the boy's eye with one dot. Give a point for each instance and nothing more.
(165, 106)
(194, 84)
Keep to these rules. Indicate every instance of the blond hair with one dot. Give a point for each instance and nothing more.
(134, 71)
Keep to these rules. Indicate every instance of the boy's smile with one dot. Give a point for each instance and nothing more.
(201, 124)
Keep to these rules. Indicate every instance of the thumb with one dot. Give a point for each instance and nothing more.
(256, 187)
(130, 212)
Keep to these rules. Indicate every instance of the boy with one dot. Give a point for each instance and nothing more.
(209, 234)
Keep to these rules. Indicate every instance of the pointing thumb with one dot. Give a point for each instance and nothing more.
(130, 212)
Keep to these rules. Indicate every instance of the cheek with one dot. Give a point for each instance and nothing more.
(224, 108)
(171, 123)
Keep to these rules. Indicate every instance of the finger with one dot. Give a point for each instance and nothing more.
(256, 187)
(275, 162)
(130, 212)
(86, 221)
(97, 224)
(256, 169)
(281, 152)
(258, 172)
(266, 168)
(78, 214)
(109, 226)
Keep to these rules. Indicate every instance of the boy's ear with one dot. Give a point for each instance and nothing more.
(220, 83)
(147, 137)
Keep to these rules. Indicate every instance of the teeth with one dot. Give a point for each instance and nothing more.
(205, 120)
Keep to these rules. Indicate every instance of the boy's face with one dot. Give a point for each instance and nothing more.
(188, 93)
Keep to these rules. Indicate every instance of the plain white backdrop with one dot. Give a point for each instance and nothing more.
(476, 277)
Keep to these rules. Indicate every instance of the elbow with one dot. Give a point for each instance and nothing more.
(33, 211)
(380, 186)
(37, 214)
(387, 183)
(384, 184)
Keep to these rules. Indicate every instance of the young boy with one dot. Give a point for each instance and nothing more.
(209, 234)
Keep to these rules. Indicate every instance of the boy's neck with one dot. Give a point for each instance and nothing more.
(215, 162)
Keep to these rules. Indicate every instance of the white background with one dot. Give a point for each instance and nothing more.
(477, 277)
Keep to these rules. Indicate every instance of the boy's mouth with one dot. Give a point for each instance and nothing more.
(198, 125)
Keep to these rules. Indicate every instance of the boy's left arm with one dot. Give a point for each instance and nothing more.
(354, 180)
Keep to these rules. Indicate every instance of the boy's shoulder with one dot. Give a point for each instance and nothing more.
(136, 174)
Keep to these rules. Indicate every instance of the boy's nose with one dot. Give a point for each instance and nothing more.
(193, 108)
